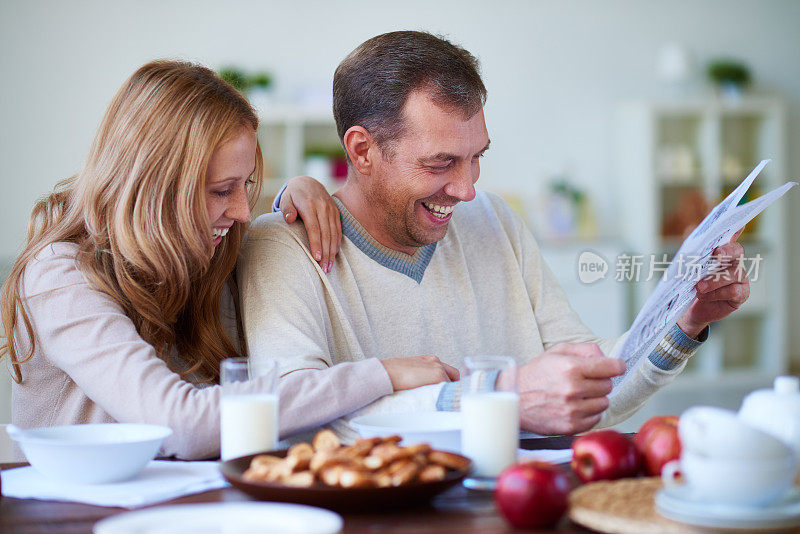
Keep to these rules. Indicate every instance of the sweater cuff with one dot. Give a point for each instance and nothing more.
(675, 348)
(450, 396)
(276, 204)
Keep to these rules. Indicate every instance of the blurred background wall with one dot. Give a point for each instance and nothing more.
(557, 73)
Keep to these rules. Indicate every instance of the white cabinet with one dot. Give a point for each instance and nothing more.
(296, 140)
(676, 160)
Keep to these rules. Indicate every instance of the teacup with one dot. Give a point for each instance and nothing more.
(755, 482)
(725, 460)
(719, 433)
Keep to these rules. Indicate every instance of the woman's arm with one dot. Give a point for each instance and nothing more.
(305, 197)
(87, 335)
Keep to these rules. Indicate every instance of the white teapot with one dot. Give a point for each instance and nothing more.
(776, 411)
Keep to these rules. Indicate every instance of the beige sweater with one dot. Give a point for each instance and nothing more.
(91, 366)
(485, 290)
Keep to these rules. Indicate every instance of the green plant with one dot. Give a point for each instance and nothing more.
(327, 151)
(562, 187)
(236, 78)
(728, 71)
(261, 80)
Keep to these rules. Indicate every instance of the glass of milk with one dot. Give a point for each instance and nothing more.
(490, 417)
(248, 407)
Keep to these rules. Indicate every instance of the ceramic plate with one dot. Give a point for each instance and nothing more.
(351, 499)
(679, 504)
(223, 518)
(441, 430)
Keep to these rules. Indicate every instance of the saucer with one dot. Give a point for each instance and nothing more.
(680, 504)
(214, 518)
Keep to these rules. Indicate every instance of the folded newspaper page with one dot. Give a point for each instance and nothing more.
(694, 260)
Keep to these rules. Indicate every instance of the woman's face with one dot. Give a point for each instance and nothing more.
(229, 173)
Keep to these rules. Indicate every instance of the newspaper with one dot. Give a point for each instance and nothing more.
(694, 260)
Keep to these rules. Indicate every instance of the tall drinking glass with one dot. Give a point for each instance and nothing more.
(490, 414)
(248, 411)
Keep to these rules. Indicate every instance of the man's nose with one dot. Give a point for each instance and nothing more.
(239, 210)
(462, 186)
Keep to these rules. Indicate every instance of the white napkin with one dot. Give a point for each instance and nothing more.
(554, 456)
(158, 482)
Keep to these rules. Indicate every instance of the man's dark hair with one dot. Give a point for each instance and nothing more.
(371, 85)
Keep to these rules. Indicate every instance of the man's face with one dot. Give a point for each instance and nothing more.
(432, 167)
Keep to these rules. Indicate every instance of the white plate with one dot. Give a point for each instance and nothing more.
(442, 430)
(679, 504)
(223, 518)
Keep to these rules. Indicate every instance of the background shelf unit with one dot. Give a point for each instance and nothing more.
(287, 133)
(671, 155)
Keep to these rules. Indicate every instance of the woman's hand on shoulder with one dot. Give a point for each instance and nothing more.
(307, 198)
(417, 371)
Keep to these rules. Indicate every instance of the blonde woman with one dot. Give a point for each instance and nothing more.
(122, 304)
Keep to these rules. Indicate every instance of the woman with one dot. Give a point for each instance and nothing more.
(121, 306)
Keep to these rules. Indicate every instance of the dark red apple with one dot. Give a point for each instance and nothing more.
(604, 455)
(532, 494)
(658, 443)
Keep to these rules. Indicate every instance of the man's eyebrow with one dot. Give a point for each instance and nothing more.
(444, 156)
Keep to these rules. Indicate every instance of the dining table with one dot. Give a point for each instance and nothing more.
(457, 510)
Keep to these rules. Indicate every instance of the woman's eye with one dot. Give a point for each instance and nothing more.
(249, 182)
(223, 193)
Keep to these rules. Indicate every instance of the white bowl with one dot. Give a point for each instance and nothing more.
(90, 454)
(442, 430)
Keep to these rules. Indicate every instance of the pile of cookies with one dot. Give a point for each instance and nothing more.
(368, 463)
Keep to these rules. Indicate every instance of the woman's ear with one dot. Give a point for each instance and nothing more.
(357, 142)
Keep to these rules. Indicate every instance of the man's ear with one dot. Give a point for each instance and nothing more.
(358, 142)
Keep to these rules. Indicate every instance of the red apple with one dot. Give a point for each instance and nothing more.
(658, 443)
(532, 494)
(604, 455)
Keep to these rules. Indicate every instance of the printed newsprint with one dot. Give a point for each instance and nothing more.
(694, 260)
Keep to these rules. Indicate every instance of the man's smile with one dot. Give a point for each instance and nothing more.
(441, 211)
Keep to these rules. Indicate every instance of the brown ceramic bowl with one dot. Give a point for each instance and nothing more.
(351, 499)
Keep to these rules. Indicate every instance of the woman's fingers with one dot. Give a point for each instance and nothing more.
(314, 236)
(324, 237)
(336, 232)
(452, 373)
(287, 207)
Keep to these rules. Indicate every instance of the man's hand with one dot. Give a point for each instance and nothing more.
(563, 390)
(416, 371)
(720, 294)
(306, 196)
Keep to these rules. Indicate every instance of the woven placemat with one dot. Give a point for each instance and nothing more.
(624, 506)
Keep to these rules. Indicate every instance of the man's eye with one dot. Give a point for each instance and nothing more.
(440, 168)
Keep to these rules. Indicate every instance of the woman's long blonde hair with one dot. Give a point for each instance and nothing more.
(137, 212)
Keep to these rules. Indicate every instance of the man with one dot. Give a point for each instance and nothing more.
(429, 266)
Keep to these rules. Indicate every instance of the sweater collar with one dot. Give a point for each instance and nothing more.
(412, 266)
